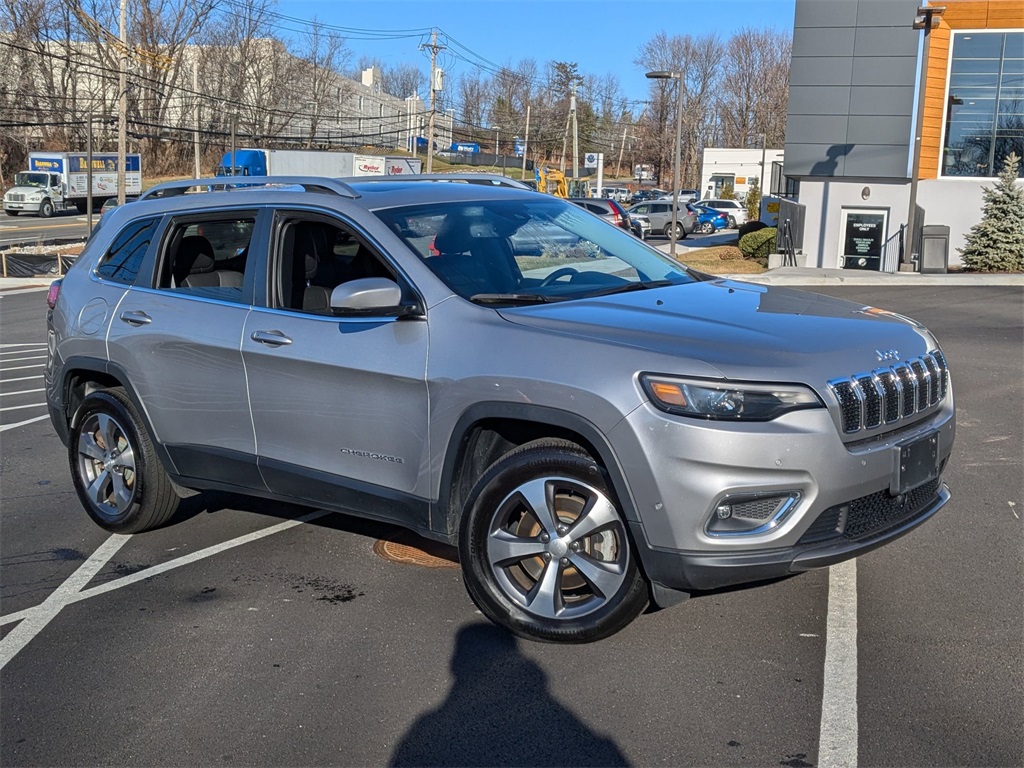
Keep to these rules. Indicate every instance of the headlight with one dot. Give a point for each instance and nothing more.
(36, 197)
(726, 400)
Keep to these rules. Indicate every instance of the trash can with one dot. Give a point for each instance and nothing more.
(934, 249)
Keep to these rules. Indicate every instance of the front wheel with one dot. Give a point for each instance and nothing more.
(544, 547)
(116, 472)
(13, 213)
(45, 209)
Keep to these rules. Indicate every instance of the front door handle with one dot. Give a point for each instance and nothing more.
(273, 338)
(136, 317)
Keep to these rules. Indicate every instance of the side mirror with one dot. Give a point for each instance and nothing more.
(370, 296)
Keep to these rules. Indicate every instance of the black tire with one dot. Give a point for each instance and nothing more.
(596, 587)
(45, 209)
(707, 228)
(732, 222)
(122, 494)
(680, 232)
(13, 213)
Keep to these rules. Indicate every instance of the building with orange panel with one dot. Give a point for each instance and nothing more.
(863, 79)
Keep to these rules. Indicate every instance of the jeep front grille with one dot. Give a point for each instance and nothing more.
(888, 395)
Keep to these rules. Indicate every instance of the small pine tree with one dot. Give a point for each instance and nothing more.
(753, 200)
(996, 243)
(728, 193)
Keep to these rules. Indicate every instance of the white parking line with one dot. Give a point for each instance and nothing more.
(22, 407)
(21, 391)
(37, 618)
(23, 378)
(24, 367)
(5, 427)
(838, 736)
(23, 359)
(15, 348)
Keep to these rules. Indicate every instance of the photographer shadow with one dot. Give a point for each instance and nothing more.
(499, 712)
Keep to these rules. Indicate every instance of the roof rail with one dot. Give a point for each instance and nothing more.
(491, 179)
(228, 183)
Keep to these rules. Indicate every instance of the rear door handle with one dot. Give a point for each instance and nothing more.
(136, 317)
(273, 338)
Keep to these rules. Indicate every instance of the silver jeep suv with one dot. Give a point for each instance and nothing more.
(593, 424)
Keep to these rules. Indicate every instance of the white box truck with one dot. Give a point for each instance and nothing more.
(58, 181)
(310, 162)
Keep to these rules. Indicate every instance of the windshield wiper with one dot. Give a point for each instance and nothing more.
(627, 287)
(511, 298)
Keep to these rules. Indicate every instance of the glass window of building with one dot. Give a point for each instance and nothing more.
(984, 103)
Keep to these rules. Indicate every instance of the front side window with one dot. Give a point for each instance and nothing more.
(122, 260)
(517, 251)
(984, 103)
(313, 256)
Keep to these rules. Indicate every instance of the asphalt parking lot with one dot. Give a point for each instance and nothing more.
(252, 633)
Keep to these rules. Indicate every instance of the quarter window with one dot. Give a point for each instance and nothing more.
(122, 261)
(984, 103)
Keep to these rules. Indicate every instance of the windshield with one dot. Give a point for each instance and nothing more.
(30, 180)
(520, 251)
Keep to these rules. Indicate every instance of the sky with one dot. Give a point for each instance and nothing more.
(601, 36)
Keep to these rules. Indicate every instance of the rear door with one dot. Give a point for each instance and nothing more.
(177, 341)
(339, 404)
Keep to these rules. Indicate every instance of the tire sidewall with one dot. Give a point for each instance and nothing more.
(45, 209)
(495, 485)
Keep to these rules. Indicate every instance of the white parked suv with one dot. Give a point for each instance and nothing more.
(733, 209)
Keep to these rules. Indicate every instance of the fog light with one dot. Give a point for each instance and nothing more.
(751, 513)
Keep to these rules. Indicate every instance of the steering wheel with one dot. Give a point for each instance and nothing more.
(562, 272)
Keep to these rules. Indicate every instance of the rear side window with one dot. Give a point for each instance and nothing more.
(208, 258)
(122, 260)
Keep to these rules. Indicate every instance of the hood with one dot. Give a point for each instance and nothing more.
(744, 331)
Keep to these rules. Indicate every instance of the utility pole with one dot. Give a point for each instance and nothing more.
(195, 89)
(526, 140)
(618, 165)
(434, 49)
(575, 135)
(122, 103)
(234, 121)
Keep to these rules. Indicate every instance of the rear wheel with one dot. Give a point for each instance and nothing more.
(116, 472)
(707, 228)
(680, 232)
(544, 547)
(732, 222)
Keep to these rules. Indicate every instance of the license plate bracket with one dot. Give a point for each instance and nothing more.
(915, 463)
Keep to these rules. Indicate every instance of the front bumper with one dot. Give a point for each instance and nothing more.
(705, 571)
(27, 207)
(681, 470)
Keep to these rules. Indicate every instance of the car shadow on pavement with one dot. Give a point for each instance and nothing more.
(499, 712)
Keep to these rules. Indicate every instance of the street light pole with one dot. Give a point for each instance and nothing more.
(676, 160)
(927, 18)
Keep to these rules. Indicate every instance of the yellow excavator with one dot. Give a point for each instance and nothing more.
(554, 182)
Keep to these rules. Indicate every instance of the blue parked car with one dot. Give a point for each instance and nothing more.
(709, 220)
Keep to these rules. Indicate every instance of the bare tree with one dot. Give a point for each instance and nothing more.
(324, 54)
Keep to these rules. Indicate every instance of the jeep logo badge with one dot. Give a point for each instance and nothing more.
(887, 354)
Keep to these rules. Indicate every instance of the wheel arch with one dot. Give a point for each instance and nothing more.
(81, 376)
(487, 431)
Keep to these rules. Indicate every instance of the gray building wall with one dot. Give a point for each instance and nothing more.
(851, 93)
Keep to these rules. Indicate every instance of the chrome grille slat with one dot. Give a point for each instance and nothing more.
(889, 395)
